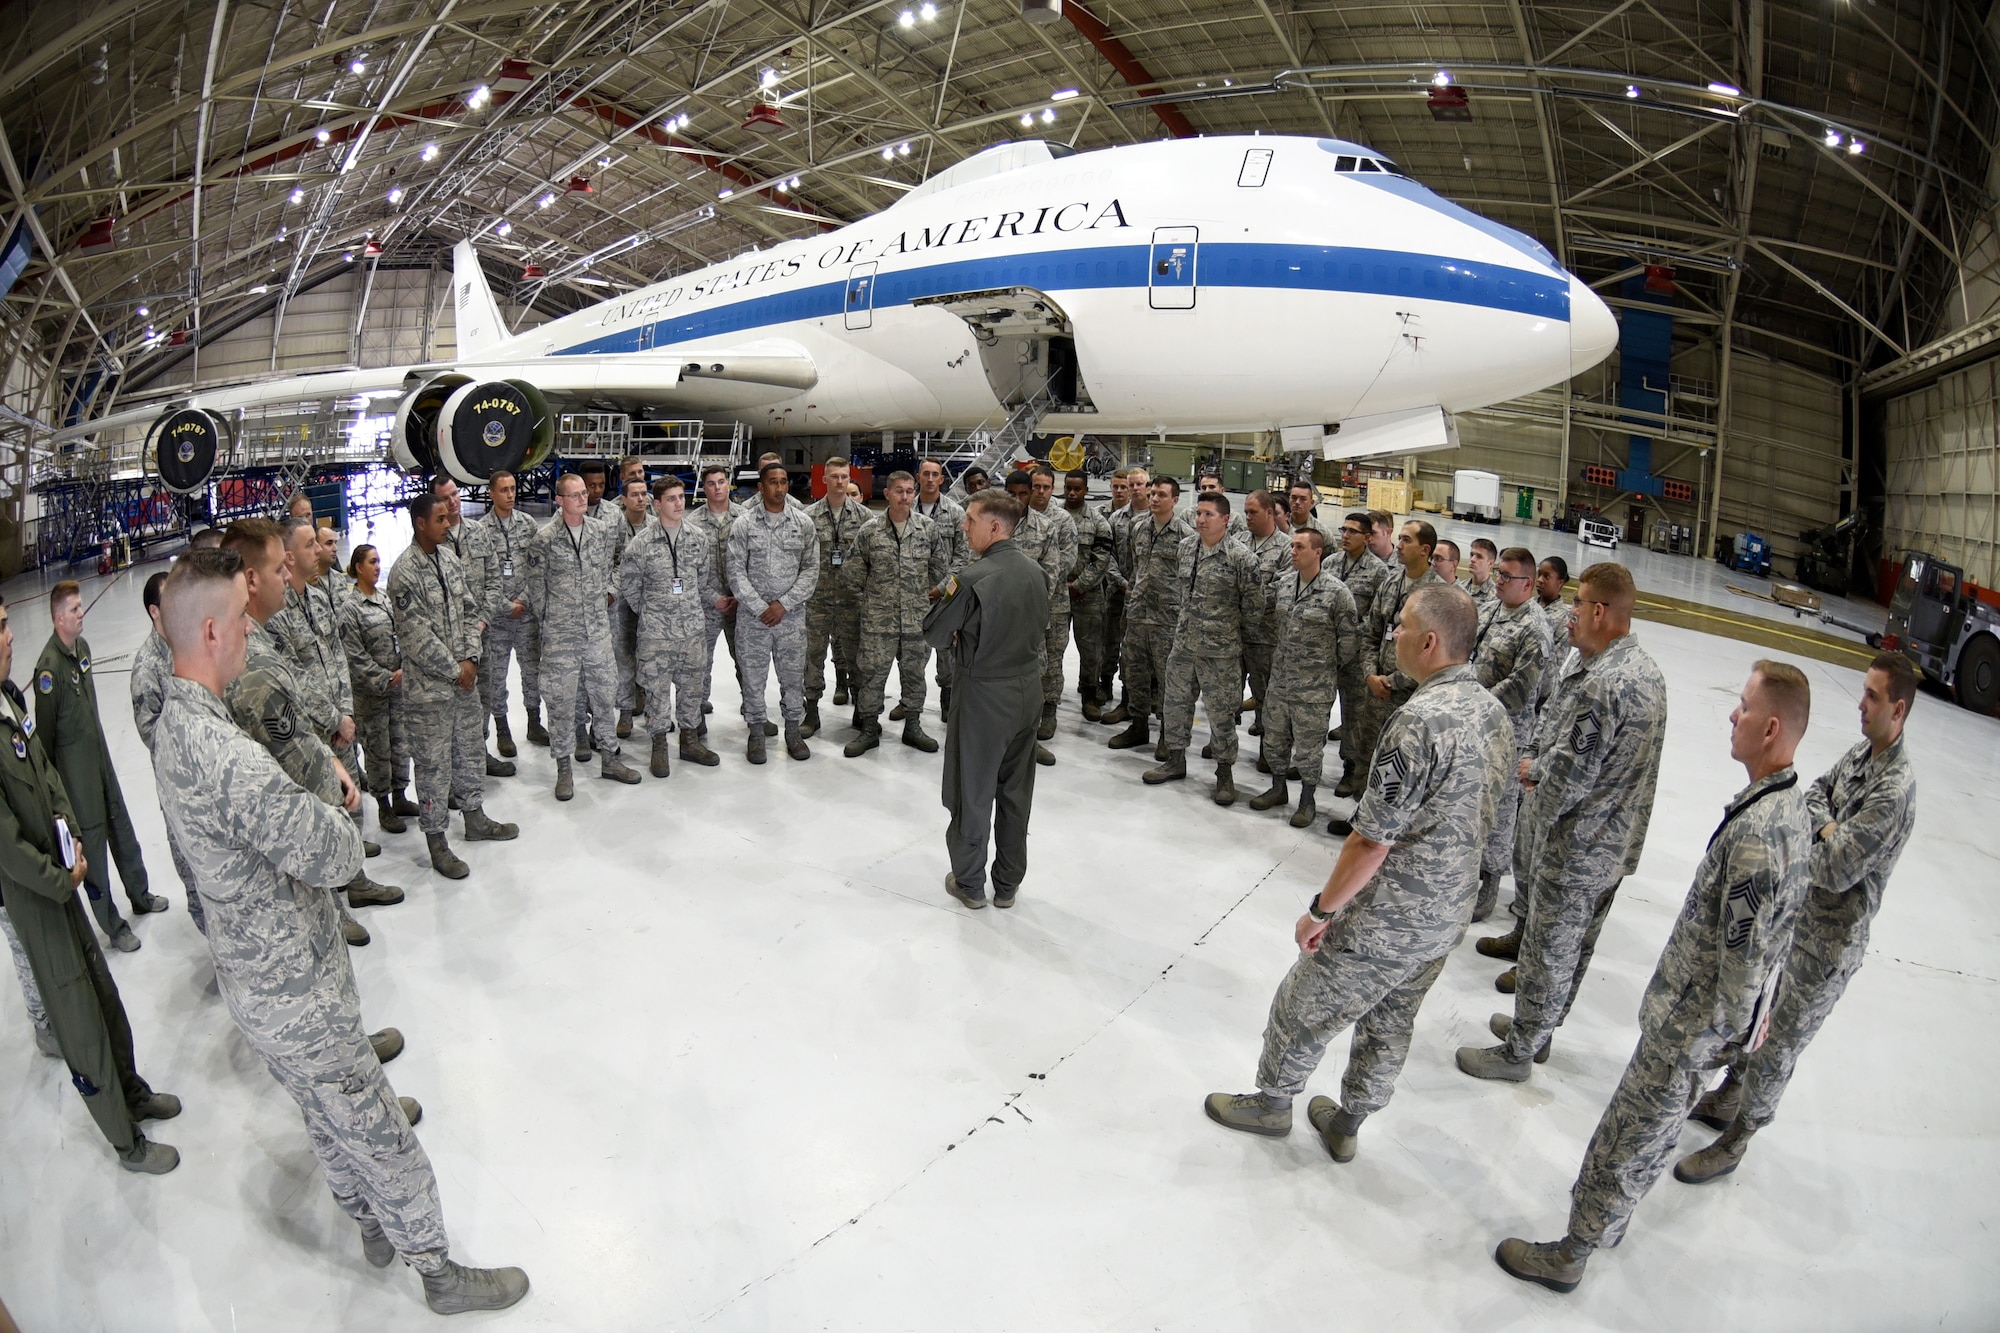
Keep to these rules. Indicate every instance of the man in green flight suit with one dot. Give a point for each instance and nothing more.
(39, 888)
(992, 616)
(72, 737)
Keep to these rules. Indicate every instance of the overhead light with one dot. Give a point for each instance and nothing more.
(1441, 79)
(1048, 115)
(1632, 90)
(358, 67)
(927, 11)
(480, 96)
(795, 182)
(545, 201)
(902, 150)
(504, 229)
(907, 19)
(430, 152)
(281, 233)
(1833, 138)
(1027, 118)
(770, 79)
(1062, 95)
(681, 121)
(143, 312)
(1855, 148)
(1725, 90)
(604, 162)
(888, 153)
(298, 195)
(396, 195)
(347, 257)
(323, 136)
(783, 187)
(260, 289)
(724, 194)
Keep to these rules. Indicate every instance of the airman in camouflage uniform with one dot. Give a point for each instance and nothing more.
(1400, 897)
(1118, 515)
(1591, 774)
(1712, 992)
(471, 544)
(1512, 646)
(947, 518)
(833, 616)
(152, 666)
(1861, 812)
(572, 574)
(511, 630)
(1060, 555)
(375, 662)
(713, 517)
(773, 565)
(260, 846)
(668, 578)
(1387, 688)
(1152, 607)
(71, 734)
(1319, 645)
(1273, 554)
(1551, 576)
(897, 561)
(635, 516)
(1089, 592)
(1222, 591)
(1364, 573)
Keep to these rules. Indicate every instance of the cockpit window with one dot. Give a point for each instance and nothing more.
(1354, 162)
(1345, 162)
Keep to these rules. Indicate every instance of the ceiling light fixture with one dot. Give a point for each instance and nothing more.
(770, 79)
(927, 11)
(504, 229)
(323, 136)
(143, 312)
(480, 96)
(1725, 90)
(1062, 95)
(1048, 115)
(545, 201)
(430, 152)
(724, 194)
(795, 182)
(902, 150)
(1027, 118)
(1855, 148)
(347, 257)
(260, 289)
(888, 153)
(1833, 138)
(1632, 90)
(396, 195)
(358, 67)
(681, 121)
(907, 19)
(298, 195)
(1441, 79)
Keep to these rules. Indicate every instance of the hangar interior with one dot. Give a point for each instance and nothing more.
(729, 1057)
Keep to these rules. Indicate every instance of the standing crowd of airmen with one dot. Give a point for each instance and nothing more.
(1487, 728)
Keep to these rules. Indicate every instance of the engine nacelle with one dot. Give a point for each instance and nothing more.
(470, 429)
(413, 441)
(189, 446)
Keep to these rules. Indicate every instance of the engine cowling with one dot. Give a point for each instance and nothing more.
(413, 442)
(491, 426)
(189, 446)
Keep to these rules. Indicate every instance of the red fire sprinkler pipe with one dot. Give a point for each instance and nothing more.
(1126, 64)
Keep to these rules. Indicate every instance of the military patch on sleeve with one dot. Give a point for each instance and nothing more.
(1739, 914)
(46, 682)
(403, 599)
(1583, 734)
(951, 585)
(1391, 772)
(278, 719)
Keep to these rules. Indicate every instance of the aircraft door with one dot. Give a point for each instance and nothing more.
(860, 306)
(1170, 280)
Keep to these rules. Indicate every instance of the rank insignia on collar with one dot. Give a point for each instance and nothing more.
(20, 746)
(28, 723)
(46, 682)
(84, 663)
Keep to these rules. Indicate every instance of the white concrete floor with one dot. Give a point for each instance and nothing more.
(718, 1050)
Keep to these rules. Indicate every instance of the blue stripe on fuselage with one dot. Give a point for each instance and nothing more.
(1325, 268)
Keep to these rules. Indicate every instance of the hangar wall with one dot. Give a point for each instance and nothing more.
(1943, 455)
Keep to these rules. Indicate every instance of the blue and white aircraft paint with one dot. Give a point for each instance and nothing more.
(1193, 285)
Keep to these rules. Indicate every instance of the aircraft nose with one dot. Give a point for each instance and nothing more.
(1593, 329)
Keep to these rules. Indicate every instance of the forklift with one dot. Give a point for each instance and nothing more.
(1939, 621)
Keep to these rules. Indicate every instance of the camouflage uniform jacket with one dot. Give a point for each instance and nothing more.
(773, 558)
(1873, 800)
(948, 517)
(1553, 669)
(1319, 638)
(152, 667)
(627, 534)
(1063, 539)
(891, 576)
(1093, 552)
(308, 629)
(1482, 593)
(507, 542)
(1722, 963)
(1039, 540)
(1154, 597)
(1390, 597)
(257, 843)
(265, 702)
(717, 527)
(374, 651)
(668, 578)
(1508, 657)
(1221, 592)
(569, 577)
(471, 543)
(1433, 788)
(435, 621)
(1273, 555)
(838, 530)
(1595, 761)
(1121, 572)
(1362, 577)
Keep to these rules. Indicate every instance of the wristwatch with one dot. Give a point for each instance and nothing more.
(1312, 910)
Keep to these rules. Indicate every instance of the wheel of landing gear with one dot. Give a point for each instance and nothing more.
(1976, 684)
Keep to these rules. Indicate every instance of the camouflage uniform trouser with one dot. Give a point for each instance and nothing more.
(1498, 859)
(1055, 644)
(1812, 986)
(829, 623)
(762, 648)
(1324, 993)
(908, 652)
(1257, 666)
(717, 624)
(31, 994)
(449, 752)
(1295, 735)
(1086, 619)
(1147, 648)
(1641, 1128)
(1556, 945)
(675, 679)
(521, 637)
(1113, 637)
(1218, 681)
(373, 1163)
(186, 873)
(624, 651)
(1352, 708)
(382, 725)
(577, 666)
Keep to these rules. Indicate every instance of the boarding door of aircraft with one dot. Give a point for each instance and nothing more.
(860, 307)
(1170, 279)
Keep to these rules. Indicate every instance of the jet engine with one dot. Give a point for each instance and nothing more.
(469, 429)
(189, 446)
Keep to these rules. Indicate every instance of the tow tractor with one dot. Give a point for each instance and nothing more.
(1945, 625)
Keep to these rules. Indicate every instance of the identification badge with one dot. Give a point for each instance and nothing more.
(506, 569)
(676, 588)
(838, 560)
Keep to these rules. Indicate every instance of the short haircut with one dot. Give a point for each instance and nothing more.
(192, 586)
(63, 591)
(629, 461)
(1264, 499)
(1446, 541)
(931, 462)
(1019, 477)
(590, 469)
(1077, 473)
(1304, 484)
(1787, 691)
(354, 560)
(1174, 482)
(1902, 674)
(836, 461)
(661, 485)
(712, 469)
(1120, 473)
(897, 476)
(208, 539)
(1447, 612)
(1612, 583)
(498, 473)
(249, 537)
(999, 505)
(765, 469)
(978, 472)
(421, 507)
(629, 483)
(1382, 519)
(767, 458)
(1515, 555)
(1486, 544)
(1427, 536)
(1314, 538)
(151, 596)
(1558, 564)
(443, 479)
(286, 527)
(1218, 500)
(1042, 470)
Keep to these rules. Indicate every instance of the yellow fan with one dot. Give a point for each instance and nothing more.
(1066, 453)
